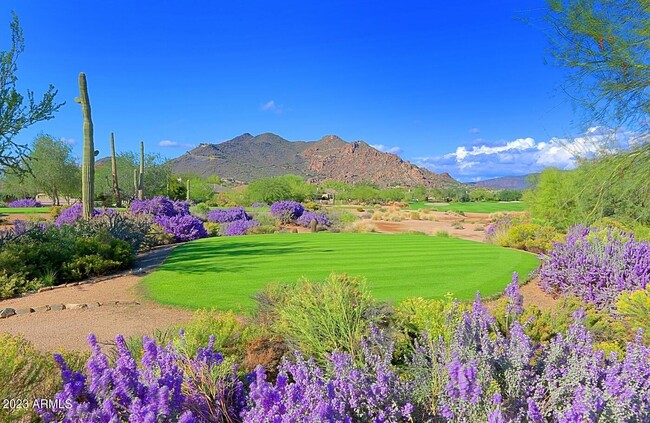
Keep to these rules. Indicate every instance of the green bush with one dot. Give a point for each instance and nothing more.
(200, 210)
(438, 318)
(320, 317)
(212, 228)
(634, 308)
(29, 374)
(14, 285)
(530, 237)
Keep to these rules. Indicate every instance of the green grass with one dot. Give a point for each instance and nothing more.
(225, 272)
(24, 210)
(474, 207)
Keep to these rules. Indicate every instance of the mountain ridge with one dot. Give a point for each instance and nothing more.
(247, 157)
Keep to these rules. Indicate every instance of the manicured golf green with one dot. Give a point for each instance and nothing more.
(474, 207)
(225, 272)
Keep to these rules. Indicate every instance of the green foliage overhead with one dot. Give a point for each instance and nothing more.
(604, 45)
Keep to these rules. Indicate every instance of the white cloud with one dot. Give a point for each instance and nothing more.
(270, 106)
(523, 155)
(68, 141)
(174, 144)
(386, 149)
(474, 131)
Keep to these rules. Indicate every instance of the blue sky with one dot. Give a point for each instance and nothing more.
(457, 87)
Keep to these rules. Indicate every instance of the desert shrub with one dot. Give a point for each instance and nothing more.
(489, 374)
(212, 228)
(359, 226)
(457, 225)
(311, 205)
(200, 211)
(634, 308)
(238, 227)
(27, 374)
(442, 234)
(133, 228)
(24, 202)
(231, 214)
(286, 211)
(70, 215)
(160, 206)
(500, 224)
(415, 215)
(168, 385)
(479, 228)
(97, 255)
(183, 227)
(37, 250)
(307, 216)
(596, 265)
(16, 284)
(320, 317)
(530, 237)
(262, 230)
(342, 390)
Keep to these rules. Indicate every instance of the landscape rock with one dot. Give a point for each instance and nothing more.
(75, 306)
(41, 309)
(128, 303)
(45, 288)
(57, 307)
(108, 303)
(7, 312)
(93, 305)
(24, 310)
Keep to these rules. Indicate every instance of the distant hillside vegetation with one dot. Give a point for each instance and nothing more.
(246, 158)
(520, 183)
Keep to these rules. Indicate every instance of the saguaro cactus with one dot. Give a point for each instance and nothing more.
(88, 158)
(141, 174)
(116, 188)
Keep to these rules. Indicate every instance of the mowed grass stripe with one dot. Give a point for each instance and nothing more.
(226, 272)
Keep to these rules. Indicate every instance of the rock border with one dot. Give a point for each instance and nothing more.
(9, 312)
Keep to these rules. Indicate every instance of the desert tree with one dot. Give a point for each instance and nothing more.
(605, 46)
(54, 168)
(18, 112)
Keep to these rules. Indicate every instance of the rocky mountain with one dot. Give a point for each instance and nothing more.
(247, 157)
(520, 183)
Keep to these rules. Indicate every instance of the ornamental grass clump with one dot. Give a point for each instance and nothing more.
(596, 265)
(167, 386)
(24, 202)
(287, 211)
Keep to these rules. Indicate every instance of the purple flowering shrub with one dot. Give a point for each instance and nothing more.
(307, 216)
(233, 221)
(160, 206)
(173, 216)
(238, 227)
(24, 202)
(72, 214)
(182, 227)
(485, 374)
(287, 211)
(596, 265)
(167, 386)
(344, 392)
(231, 214)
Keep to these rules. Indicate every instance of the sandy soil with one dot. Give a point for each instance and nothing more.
(68, 329)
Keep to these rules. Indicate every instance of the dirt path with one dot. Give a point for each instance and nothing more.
(68, 329)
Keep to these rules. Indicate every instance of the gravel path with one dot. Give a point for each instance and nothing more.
(68, 329)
